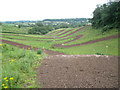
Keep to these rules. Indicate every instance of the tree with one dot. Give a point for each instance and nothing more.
(107, 16)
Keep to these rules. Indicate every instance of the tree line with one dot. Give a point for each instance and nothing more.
(106, 16)
(39, 28)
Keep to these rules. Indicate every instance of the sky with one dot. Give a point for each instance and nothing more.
(13, 10)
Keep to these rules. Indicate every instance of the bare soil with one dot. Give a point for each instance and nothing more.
(78, 71)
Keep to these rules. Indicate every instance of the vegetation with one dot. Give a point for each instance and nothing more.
(39, 28)
(93, 49)
(18, 64)
(39, 51)
(6, 28)
(107, 16)
(92, 34)
(88, 34)
(17, 67)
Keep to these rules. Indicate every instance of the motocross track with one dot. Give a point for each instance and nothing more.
(75, 71)
(59, 70)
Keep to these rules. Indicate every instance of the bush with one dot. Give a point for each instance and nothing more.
(106, 28)
(39, 29)
(39, 51)
(99, 54)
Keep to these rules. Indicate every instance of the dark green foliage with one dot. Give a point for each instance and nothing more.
(64, 26)
(99, 54)
(39, 51)
(19, 26)
(106, 28)
(39, 28)
(39, 24)
(106, 16)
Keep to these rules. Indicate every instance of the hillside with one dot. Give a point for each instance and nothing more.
(69, 37)
(83, 50)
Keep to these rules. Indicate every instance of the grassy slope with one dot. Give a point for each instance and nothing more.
(30, 38)
(20, 69)
(89, 34)
(92, 34)
(13, 29)
(99, 47)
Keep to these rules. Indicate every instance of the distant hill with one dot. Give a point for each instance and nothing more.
(67, 20)
(52, 20)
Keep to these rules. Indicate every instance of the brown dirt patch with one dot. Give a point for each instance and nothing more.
(77, 71)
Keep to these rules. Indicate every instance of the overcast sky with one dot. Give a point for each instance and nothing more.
(11, 10)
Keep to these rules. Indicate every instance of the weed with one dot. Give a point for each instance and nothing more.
(99, 54)
(39, 51)
(17, 65)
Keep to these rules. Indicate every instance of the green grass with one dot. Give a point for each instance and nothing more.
(39, 44)
(30, 37)
(89, 34)
(18, 65)
(33, 39)
(63, 31)
(90, 49)
(14, 30)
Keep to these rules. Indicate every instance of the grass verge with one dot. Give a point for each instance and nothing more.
(18, 67)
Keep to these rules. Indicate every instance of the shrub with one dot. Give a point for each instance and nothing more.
(106, 28)
(99, 54)
(39, 51)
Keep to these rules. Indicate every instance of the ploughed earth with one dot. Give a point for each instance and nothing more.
(78, 71)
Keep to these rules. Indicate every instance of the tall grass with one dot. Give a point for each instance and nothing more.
(17, 66)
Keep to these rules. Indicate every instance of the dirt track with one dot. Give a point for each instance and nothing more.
(66, 32)
(54, 36)
(78, 71)
(50, 52)
(85, 43)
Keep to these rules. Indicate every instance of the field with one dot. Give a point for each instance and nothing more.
(70, 37)
(21, 52)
